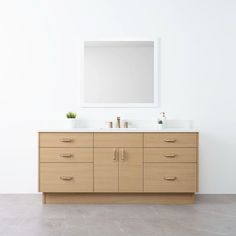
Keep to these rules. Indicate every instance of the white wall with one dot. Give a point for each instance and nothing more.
(39, 73)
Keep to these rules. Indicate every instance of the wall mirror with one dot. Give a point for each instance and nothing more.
(120, 74)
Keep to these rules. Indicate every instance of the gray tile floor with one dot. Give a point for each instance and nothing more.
(23, 214)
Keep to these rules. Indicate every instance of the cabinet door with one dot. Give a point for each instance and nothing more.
(130, 169)
(106, 169)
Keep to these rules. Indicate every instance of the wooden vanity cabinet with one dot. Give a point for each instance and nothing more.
(170, 162)
(131, 170)
(106, 170)
(118, 167)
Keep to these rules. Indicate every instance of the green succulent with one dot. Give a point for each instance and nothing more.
(71, 115)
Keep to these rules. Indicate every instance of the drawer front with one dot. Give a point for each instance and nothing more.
(170, 177)
(170, 140)
(66, 154)
(66, 139)
(170, 154)
(118, 140)
(66, 177)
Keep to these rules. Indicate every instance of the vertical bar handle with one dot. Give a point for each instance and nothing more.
(114, 154)
(122, 154)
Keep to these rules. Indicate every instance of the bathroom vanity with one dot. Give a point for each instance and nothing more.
(118, 166)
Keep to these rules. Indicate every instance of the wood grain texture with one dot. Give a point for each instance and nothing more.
(105, 170)
(197, 180)
(120, 198)
(66, 139)
(130, 170)
(161, 166)
(66, 155)
(155, 174)
(81, 173)
(170, 140)
(170, 154)
(118, 139)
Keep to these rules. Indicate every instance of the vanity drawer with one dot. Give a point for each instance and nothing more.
(170, 177)
(170, 154)
(66, 139)
(118, 140)
(66, 177)
(170, 139)
(66, 154)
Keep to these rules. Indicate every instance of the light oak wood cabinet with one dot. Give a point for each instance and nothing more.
(66, 177)
(118, 167)
(118, 139)
(106, 170)
(66, 155)
(170, 177)
(170, 155)
(130, 169)
(66, 140)
(170, 140)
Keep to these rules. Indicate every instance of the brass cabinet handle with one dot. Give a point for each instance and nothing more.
(66, 155)
(66, 140)
(170, 178)
(170, 140)
(170, 155)
(122, 154)
(114, 154)
(66, 178)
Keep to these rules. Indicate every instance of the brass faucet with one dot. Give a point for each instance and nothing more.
(118, 122)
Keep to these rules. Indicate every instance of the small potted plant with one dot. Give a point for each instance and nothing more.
(71, 118)
(160, 124)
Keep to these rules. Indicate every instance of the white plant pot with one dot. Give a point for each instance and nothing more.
(160, 126)
(71, 123)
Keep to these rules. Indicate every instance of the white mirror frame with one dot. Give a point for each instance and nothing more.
(131, 105)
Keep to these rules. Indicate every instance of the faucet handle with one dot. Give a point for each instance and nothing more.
(126, 124)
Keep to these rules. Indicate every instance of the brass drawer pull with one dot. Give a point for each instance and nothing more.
(170, 155)
(66, 178)
(66, 140)
(170, 178)
(114, 154)
(170, 140)
(122, 154)
(66, 155)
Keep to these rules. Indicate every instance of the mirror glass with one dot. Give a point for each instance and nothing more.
(119, 73)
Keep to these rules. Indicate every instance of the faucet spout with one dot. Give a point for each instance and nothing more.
(118, 122)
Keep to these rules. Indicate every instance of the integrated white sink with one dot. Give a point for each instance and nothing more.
(136, 126)
(117, 129)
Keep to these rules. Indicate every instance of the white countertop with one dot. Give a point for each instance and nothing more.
(115, 130)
